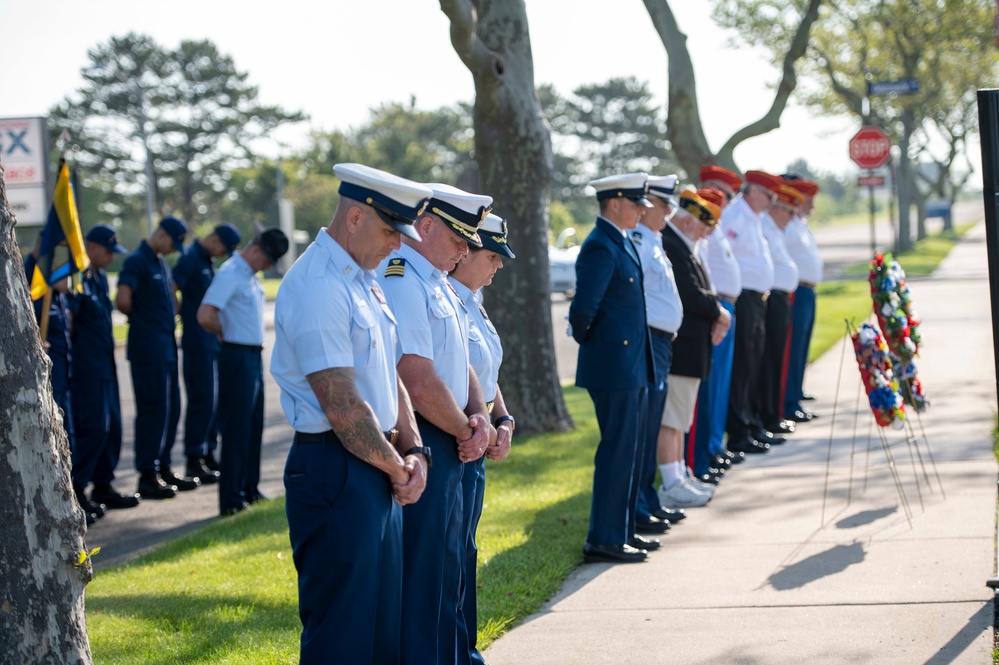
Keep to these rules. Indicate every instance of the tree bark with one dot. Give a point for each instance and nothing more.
(42, 526)
(905, 180)
(514, 155)
(683, 119)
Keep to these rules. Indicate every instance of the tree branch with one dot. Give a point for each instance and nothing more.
(771, 120)
(478, 58)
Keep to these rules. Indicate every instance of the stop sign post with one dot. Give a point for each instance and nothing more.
(869, 149)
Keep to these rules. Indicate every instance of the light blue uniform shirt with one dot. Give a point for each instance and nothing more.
(434, 321)
(662, 301)
(485, 352)
(239, 297)
(331, 313)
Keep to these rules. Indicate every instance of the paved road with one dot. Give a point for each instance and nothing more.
(123, 535)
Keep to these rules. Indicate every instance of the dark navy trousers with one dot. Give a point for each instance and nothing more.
(241, 423)
(434, 546)
(346, 540)
(648, 500)
(621, 415)
(201, 381)
(157, 412)
(473, 489)
(97, 423)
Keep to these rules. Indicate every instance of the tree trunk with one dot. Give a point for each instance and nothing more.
(42, 526)
(514, 154)
(683, 119)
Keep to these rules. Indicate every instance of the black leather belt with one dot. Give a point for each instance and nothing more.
(662, 333)
(807, 285)
(242, 347)
(329, 436)
(762, 294)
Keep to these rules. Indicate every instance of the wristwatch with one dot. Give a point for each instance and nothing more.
(420, 450)
(502, 419)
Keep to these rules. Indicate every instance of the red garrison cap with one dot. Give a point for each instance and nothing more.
(806, 187)
(764, 179)
(713, 196)
(712, 172)
(790, 196)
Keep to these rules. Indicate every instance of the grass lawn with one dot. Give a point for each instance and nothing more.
(227, 594)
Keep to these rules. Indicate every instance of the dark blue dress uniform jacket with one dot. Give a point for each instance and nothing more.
(607, 314)
(692, 349)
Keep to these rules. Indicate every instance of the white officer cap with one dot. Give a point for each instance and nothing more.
(399, 202)
(461, 211)
(664, 187)
(632, 186)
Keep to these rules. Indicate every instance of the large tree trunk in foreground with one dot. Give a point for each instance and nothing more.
(41, 525)
(514, 153)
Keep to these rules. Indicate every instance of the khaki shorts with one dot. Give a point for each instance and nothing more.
(680, 400)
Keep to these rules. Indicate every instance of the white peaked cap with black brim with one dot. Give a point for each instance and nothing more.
(398, 201)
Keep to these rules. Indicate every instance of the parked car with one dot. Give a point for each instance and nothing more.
(562, 264)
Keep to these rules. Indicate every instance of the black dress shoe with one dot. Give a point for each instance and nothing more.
(94, 507)
(748, 446)
(736, 456)
(151, 486)
(256, 496)
(799, 416)
(232, 510)
(91, 518)
(708, 478)
(613, 554)
(781, 427)
(764, 436)
(210, 462)
(721, 462)
(647, 544)
(807, 397)
(182, 484)
(196, 469)
(671, 515)
(652, 525)
(113, 500)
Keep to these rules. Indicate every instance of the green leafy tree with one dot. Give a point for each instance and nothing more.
(201, 118)
(948, 46)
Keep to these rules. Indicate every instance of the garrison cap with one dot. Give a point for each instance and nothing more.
(765, 180)
(634, 186)
(461, 211)
(398, 201)
(712, 172)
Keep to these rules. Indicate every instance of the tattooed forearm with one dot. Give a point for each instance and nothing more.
(352, 419)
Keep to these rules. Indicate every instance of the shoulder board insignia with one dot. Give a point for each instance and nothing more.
(637, 238)
(396, 268)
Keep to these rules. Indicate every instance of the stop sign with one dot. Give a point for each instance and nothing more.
(870, 147)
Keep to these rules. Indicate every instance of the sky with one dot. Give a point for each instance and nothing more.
(336, 59)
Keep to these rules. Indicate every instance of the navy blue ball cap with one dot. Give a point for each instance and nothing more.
(230, 237)
(632, 186)
(461, 211)
(398, 201)
(273, 242)
(493, 233)
(177, 229)
(106, 236)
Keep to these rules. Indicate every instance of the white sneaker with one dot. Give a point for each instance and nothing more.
(681, 495)
(703, 488)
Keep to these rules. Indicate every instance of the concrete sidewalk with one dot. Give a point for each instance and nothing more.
(777, 570)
